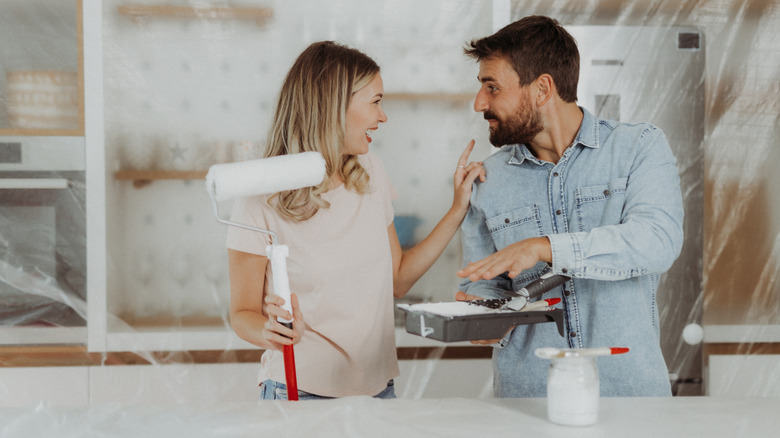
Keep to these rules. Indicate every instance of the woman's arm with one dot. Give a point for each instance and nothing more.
(409, 266)
(253, 313)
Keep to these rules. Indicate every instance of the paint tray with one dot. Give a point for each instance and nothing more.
(491, 325)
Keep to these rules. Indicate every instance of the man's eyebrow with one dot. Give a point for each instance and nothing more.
(485, 79)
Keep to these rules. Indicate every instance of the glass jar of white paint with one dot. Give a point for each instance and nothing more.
(573, 390)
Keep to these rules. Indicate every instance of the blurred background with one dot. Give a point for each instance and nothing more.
(112, 111)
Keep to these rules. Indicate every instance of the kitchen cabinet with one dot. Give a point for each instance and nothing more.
(145, 11)
(42, 81)
(27, 386)
(42, 166)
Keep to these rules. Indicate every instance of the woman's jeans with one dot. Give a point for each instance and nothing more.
(272, 390)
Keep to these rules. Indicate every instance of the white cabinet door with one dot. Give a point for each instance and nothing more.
(178, 383)
(756, 375)
(57, 386)
(444, 378)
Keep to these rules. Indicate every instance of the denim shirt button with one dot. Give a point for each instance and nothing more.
(506, 221)
(564, 270)
(606, 192)
(555, 174)
(557, 212)
(573, 334)
(567, 293)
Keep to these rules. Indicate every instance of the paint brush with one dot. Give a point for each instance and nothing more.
(554, 353)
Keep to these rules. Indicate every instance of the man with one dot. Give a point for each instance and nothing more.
(595, 200)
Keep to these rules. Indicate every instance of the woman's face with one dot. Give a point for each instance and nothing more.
(364, 114)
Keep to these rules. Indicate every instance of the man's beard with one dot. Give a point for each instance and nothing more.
(519, 128)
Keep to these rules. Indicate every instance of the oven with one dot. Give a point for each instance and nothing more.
(42, 235)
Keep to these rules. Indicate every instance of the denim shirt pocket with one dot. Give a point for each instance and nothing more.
(601, 204)
(514, 226)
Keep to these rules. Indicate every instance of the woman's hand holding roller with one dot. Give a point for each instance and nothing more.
(276, 333)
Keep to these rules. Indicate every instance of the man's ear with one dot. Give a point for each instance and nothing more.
(545, 88)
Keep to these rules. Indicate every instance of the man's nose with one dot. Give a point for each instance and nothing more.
(480, 102)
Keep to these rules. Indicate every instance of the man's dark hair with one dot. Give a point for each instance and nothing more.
(533, 46)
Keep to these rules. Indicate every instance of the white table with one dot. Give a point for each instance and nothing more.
(367, 417)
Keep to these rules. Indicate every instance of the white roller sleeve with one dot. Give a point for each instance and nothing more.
(266, 175)
(278, 255)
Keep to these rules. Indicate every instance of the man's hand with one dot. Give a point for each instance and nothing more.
(513, 260)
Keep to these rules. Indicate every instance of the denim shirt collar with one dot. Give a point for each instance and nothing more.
(588, 136)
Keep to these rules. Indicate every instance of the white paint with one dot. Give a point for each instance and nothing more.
(452, 308)
(573, 391)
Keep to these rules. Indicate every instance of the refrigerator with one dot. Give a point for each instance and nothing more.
(656, 75)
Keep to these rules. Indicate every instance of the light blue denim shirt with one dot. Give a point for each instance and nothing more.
(612, 210)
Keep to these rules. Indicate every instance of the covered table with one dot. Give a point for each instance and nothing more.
(368, 417)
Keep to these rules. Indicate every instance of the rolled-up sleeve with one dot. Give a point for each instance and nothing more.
(650, 234)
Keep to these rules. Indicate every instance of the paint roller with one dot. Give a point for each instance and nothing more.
(229, 181)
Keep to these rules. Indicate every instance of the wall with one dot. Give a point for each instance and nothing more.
(185, 93)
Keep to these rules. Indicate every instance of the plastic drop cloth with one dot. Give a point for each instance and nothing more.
(180, 94)
(366, 417)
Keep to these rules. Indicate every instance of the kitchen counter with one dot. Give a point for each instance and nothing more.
(366, 417)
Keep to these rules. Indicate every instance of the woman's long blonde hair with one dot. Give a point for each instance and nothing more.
(311, 116)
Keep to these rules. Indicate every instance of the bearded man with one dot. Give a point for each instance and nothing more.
(598, 201)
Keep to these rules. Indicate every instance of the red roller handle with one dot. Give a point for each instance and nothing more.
(289, 373)
(289, 370)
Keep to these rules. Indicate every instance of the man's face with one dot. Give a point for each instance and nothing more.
(506, 105)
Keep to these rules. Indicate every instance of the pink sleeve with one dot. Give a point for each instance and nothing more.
(248, 211)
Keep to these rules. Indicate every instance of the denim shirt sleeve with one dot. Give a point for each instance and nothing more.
(477, 244)
(649, 236)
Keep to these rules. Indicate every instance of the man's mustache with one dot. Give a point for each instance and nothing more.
(489, 115)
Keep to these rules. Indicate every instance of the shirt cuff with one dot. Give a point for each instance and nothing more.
(566, 251)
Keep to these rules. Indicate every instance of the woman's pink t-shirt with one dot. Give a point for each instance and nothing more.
(340, 267)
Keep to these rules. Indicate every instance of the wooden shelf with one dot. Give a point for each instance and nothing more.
(136, 11)
(142, 178)
(51, 356)
(35, 132)
(441, 97)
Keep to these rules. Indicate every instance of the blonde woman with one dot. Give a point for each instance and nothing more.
(345, 263)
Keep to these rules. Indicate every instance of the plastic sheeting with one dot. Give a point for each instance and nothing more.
(43, 257)
(364, 417)
(181, 93)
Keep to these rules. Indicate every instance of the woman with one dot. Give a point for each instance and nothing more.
(345, 262)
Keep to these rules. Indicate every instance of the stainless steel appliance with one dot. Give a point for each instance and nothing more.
(656, 75)
(42, 238)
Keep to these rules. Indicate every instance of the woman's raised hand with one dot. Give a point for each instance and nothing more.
(465, 174)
